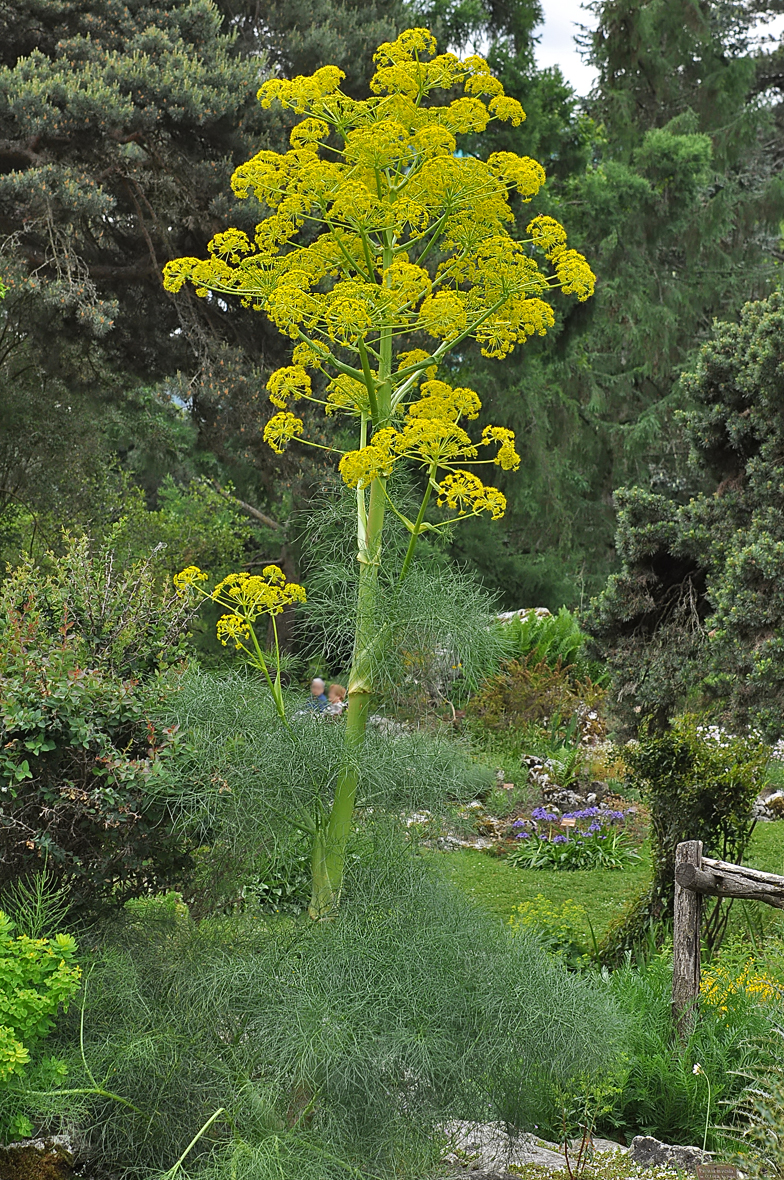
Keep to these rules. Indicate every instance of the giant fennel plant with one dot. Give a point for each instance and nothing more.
(384, 249)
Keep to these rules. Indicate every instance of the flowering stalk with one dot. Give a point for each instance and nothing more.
(701, 1073)
(407, 237)
(246, 598)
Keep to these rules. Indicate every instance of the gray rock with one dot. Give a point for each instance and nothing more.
(52, 1157)
(485, 1150)
(647, 1151)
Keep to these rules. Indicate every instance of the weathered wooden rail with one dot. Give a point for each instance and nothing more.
(698, 876)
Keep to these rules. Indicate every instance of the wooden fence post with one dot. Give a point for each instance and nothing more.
(686, 942)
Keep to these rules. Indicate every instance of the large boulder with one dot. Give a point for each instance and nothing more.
(37, 1159)
(647, 1151)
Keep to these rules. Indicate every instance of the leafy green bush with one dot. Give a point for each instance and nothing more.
(699, 783)
(532, 691)
(38, 976)
(556, 639)
(660, 1094)
(333, 1045)
(83, 769)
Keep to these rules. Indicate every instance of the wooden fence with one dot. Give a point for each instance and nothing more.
(697, 876)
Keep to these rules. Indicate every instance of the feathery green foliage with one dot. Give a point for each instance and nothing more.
(332, 1044)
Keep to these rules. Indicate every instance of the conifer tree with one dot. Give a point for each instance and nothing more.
(696, 612)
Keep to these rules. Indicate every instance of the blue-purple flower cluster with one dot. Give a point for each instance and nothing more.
(545, 816)
(541, 815)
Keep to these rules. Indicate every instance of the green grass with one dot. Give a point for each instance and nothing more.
(498, 888)
(766, 850)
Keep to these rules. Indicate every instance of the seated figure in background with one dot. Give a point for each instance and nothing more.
(336, 700)
(317, 699)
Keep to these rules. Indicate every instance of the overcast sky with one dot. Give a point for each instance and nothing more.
(557, 47)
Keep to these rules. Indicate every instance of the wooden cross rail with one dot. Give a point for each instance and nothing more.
(697, 877)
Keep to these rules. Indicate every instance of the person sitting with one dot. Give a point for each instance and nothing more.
(336, 700)
(317, 700)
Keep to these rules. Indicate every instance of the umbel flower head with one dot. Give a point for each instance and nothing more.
(245, 596)
(380, 233)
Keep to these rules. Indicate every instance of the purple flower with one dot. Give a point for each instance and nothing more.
(585, 813)
(541, 813)
(612, 816)
(520, 823)
(559, 839)
(522, 835)
(595, 828)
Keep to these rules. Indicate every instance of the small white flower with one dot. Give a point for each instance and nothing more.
(698, 1068)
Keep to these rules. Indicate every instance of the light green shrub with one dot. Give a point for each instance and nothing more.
(38, 977)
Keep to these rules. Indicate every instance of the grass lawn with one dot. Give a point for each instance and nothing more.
(498, 887)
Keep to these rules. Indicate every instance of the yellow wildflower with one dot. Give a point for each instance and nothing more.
(575, 275)
(439, 400)
(359, 468)
(288, 384)
(507, 109)
(434, 440)
(344, 393)
(187, 578)
(465, 493)
(232, 628)
(547, 234)
(280, 430)
(520, 172)
(507, 456)
(252, 595)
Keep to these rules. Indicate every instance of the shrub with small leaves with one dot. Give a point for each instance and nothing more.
(84, 770)
(38, 976)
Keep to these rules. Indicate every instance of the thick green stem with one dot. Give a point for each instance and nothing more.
(360, 685)
(417, 529)
(321, 898)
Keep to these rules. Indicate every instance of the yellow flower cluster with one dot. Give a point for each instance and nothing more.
(439, 400)
(288, 384)
(232, 629)
(247, 596)
(187, 578)
(431, 436)
(465, 494)
(719, 985)
(281, 429)
(389, 191)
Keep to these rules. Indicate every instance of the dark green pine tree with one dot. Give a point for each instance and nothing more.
(670, 182)
(120, 126)
(696, 615)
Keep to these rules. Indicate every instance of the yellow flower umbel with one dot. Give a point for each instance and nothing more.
(384, 248)
(247, 598)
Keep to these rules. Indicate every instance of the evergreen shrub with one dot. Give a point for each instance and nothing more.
(699, 783)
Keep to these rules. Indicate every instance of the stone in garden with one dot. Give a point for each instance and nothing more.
(648, 1152)
(485, 1150)
(37, 1159)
